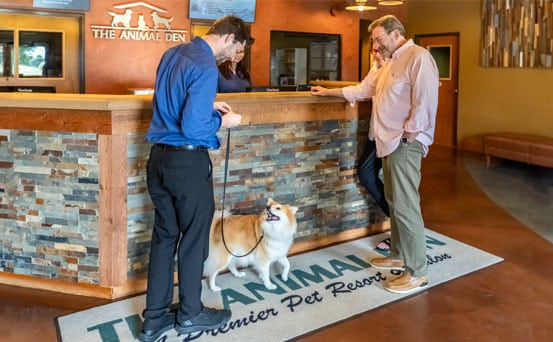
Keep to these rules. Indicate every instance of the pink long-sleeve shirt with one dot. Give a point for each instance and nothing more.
(362, 91)
(405, 98)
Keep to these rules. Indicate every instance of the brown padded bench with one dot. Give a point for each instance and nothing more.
(526, 148)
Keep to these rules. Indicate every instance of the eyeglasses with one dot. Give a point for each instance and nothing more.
(379, 39)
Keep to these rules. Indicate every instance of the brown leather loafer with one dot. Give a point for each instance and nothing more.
(387, 264)
(406, 284)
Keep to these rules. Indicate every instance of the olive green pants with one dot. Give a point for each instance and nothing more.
(402, 175)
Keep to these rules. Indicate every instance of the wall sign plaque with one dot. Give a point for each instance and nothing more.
(138, 21)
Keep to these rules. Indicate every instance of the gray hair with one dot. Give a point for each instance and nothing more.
(389, 23)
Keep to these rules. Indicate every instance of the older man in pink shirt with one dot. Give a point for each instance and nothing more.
(405, 103)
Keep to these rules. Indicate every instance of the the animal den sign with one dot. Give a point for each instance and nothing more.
(138, 21)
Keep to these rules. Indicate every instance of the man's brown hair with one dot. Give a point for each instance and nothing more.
(231, 24)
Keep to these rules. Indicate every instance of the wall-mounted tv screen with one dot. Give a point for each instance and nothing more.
(215, 9)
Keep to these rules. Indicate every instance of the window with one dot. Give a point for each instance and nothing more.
(442, 55)
(299, 57)
(6, 53)
(41, 51)
(39, 54)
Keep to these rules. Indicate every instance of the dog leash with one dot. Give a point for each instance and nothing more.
(227, 153)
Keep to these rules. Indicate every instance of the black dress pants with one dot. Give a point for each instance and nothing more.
(181, 188)
(367, 172)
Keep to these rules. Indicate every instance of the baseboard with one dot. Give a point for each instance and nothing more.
(473, 144)
(79, 289)
(347, 235)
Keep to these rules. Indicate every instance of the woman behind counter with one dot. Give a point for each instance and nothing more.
(233, 75)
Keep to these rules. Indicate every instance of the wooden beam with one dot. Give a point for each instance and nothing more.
(112, 160)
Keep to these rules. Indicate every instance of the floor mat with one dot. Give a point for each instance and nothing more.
(324, 286)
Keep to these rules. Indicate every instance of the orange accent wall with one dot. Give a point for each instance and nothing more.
(113, 66)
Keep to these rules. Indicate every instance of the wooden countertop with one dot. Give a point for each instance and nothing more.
(124, 102)
(75, 101)
(118, 114)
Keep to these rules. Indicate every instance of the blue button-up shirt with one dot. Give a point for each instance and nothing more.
(186, 87)
(235, 84)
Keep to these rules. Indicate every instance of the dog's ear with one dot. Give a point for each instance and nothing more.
(294, 209)
(270, 201)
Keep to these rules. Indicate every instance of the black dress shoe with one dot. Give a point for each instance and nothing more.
(207, 319)
(153, 329)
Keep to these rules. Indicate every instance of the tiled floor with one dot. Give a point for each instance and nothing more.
(510, 301)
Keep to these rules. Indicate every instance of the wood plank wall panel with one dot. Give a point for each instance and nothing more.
(113, 210)
(61, 120)
(517, 33)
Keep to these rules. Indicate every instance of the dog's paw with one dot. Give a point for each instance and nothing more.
(285, 276)
(240, 274)
(215, 288)
(270, 286)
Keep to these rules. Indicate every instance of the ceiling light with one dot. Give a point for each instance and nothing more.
(360, 6)
(390, 2)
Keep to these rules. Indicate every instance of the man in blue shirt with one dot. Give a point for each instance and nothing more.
(184, 127)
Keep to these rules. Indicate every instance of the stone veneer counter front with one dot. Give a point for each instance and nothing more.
(75, 214)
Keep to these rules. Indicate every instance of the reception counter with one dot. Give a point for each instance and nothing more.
(75, 215)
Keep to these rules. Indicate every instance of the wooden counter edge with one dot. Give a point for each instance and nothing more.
(125, 102)
(121, 114)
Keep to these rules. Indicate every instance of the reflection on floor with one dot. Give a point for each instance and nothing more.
(510, 301)
(524, 191)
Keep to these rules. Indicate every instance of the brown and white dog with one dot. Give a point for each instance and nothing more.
(276, 224)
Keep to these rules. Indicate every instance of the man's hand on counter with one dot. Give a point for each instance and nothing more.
(222, 107)
(231, 119)
(322, 91)
(319, 91)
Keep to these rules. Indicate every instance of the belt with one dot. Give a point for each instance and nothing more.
(165, 147)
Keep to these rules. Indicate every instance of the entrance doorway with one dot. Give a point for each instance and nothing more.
(445, 49)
